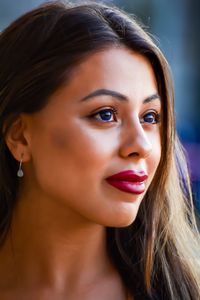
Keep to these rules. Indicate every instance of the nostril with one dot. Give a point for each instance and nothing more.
(134, 154)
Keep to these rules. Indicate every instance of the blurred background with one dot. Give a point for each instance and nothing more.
(175, 25)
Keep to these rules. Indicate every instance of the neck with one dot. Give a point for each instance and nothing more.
(50, 247)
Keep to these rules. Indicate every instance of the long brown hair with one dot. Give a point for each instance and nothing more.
(158, 255)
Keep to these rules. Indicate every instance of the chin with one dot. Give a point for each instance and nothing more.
(121, 221)
(124, 224)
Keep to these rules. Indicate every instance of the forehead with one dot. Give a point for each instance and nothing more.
(117, 69)
(113, 63)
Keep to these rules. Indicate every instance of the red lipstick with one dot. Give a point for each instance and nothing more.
(129, 181)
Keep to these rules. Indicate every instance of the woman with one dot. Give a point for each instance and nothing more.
(95, 196)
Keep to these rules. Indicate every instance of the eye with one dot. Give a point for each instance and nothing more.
(152, 117)
(107, 115)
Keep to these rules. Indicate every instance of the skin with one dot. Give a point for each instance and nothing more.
(56, 247)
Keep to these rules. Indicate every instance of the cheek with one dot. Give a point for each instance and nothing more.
(74, 151)
(154, 157)
(71, 162)
(86, 145)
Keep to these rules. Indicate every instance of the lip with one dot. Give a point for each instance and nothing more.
(129, 181)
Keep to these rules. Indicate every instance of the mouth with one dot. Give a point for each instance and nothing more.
(129, 181)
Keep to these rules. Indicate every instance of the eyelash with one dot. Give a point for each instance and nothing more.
(156, 117)
(115, 113)
(111, 109)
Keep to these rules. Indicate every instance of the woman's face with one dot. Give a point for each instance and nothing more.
(104, 121)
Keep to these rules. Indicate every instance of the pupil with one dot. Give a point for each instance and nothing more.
(149, 118)
(106, 115)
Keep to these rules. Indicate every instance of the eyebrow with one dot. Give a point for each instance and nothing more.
(117, 95)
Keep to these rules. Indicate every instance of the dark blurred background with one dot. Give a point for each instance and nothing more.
(175, 25)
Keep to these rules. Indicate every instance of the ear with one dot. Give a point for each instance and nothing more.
(17, 139)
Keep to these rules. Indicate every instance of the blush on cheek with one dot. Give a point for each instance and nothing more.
(59, 138)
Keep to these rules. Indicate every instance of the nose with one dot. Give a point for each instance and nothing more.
(135, 141)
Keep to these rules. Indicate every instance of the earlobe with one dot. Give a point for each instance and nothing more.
(16, 140)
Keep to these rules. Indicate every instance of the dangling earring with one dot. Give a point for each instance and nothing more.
(20, 172)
